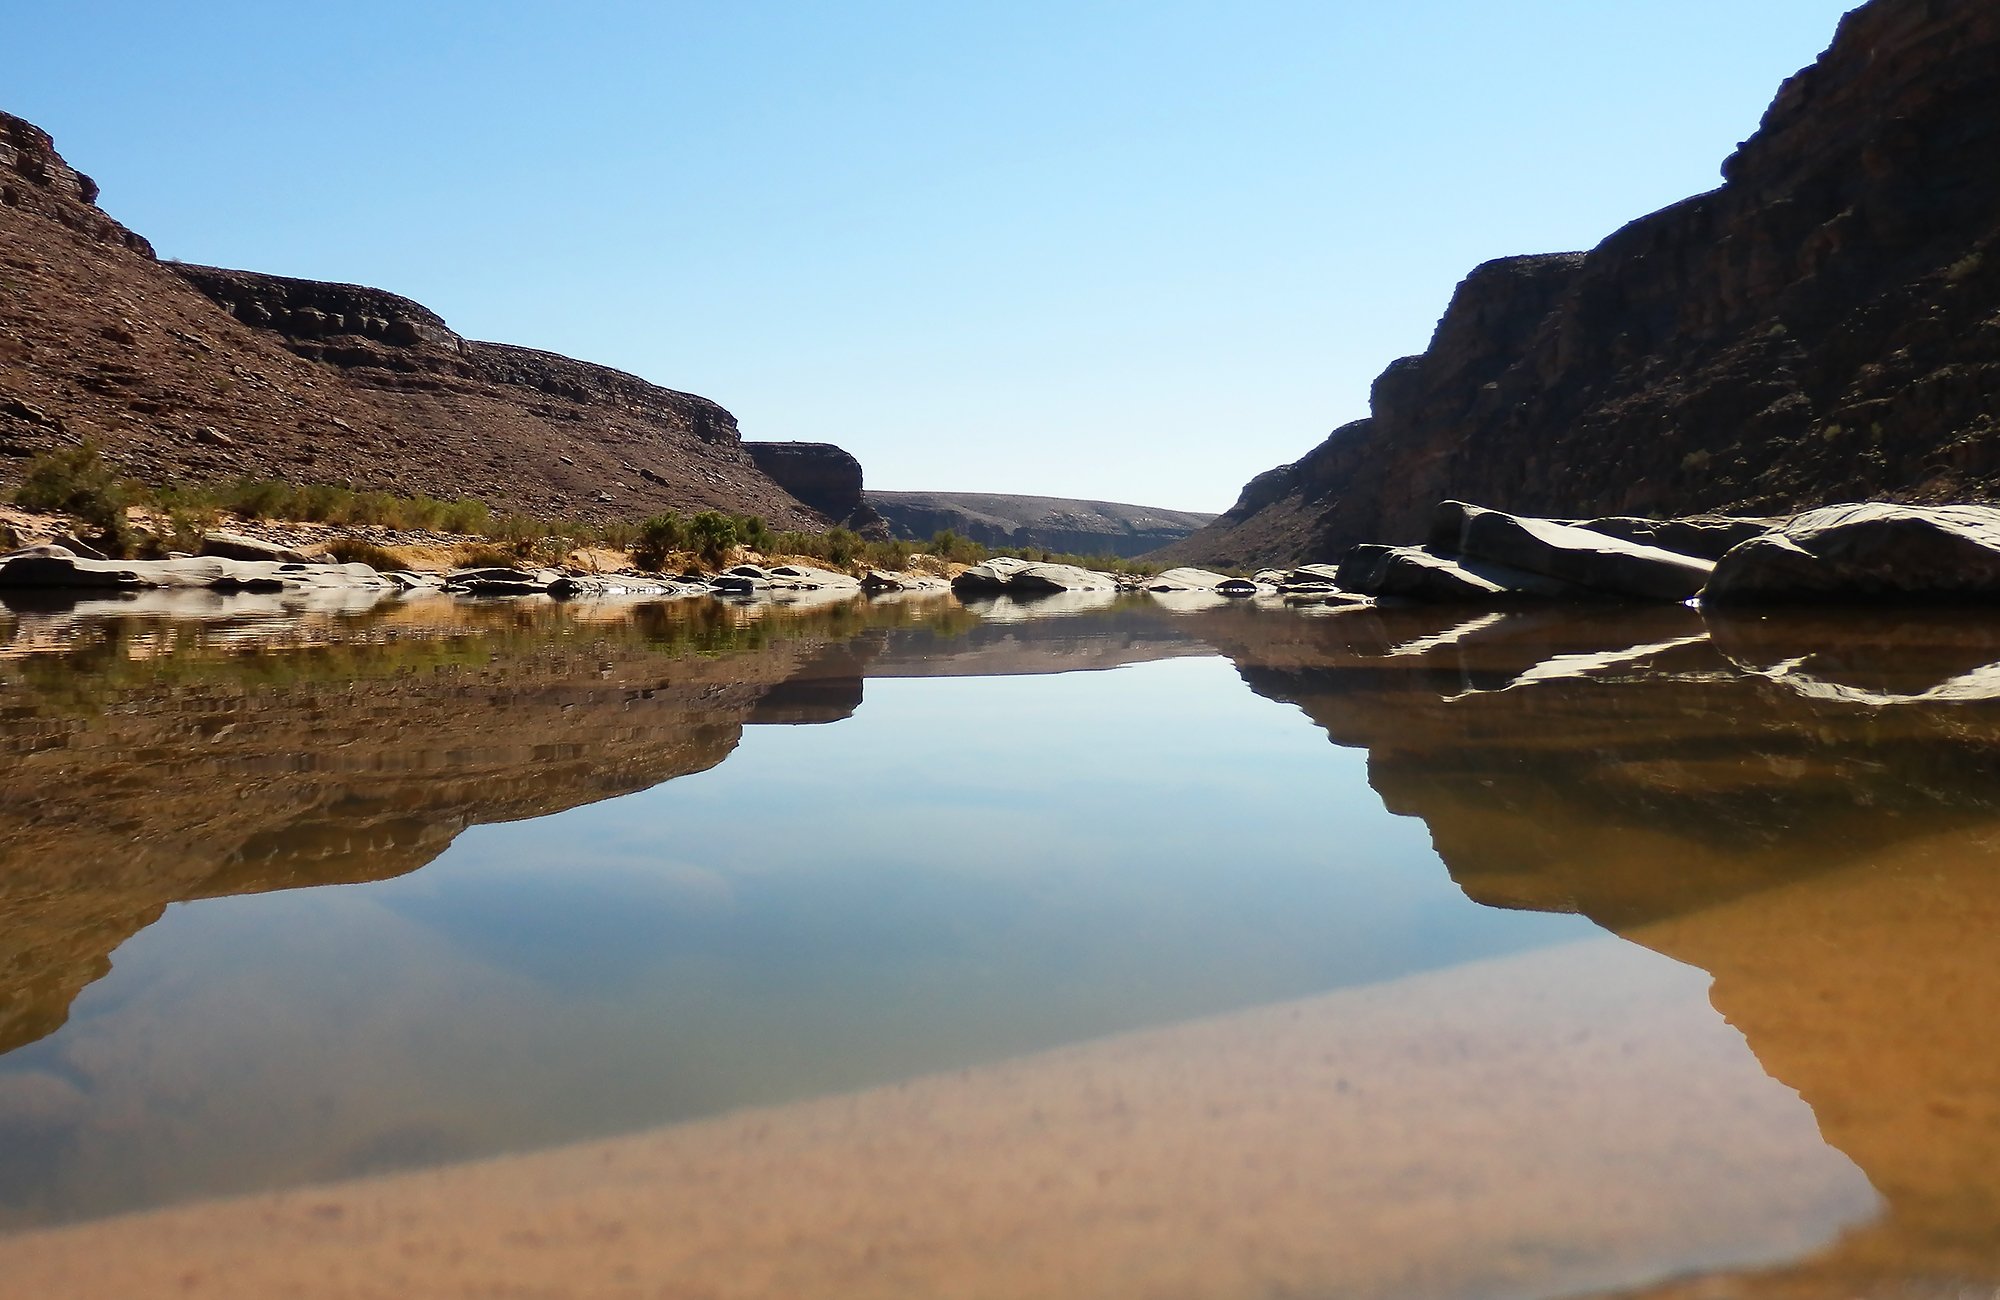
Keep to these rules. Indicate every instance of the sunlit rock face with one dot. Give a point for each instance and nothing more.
(1806, 807)
(1813, 331)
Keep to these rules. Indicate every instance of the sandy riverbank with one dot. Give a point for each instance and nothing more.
(1529, 1126)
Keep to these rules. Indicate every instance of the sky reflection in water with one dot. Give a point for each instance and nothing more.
(966, 869)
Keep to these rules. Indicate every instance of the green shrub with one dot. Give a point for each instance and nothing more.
(262, 499)
(842, 546)
(465, 515)
(658, 538)
(948, 545)
(752, 532)
(712, 536)
(377, 508)
(187, 524)
(75, 481)
(422, 512)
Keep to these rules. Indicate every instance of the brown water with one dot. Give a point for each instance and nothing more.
(1014, 980)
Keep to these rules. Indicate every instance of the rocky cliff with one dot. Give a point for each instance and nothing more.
(200, 373)
(1823, 327)
(1053, 523)
(824, 477)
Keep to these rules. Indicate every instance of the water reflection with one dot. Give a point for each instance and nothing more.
(1804, 807)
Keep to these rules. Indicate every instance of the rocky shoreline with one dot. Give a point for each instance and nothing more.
(1473, 556)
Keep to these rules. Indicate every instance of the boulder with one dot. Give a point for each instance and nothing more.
(992, 576)
(73, 546)
(1059, 577)
(1412, 573)
(807, 577)
(55, 567)
(1592, 560)
(1186, 580)
(236, 546)
(1867, 551)
(1708, 537)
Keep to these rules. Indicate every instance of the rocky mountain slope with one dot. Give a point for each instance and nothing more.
(205, 374)
(1823, 327)
(1055, 523)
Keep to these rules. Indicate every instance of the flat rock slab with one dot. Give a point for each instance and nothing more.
(1186, 580)
(237, 546)
(1604, 564)
(53, 568)
(806, 576)
(876, 580)
(1867, 551)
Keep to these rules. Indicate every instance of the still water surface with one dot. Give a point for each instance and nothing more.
(289, 902)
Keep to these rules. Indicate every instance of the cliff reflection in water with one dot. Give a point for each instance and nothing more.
(154, 757)
(1805, 806)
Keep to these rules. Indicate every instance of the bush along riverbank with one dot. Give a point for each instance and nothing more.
(76, 523)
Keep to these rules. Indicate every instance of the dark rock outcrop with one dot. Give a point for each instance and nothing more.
(1823, 327)
(1068, 527)
(824, 477)
(1488, 557)
(198, 373)
(1590, 559)
(34, 178)
(1416, 574)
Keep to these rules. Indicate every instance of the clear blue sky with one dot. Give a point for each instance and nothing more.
(1135, 251)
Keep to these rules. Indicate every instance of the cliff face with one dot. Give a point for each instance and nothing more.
(1053, 523)
(824, 477)
(1825, 326)
(200, 373)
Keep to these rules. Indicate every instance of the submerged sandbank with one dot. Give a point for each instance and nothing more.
(1534, 1125)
